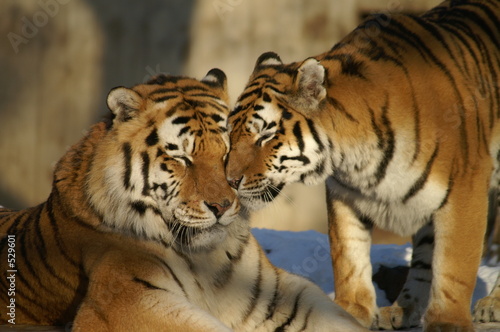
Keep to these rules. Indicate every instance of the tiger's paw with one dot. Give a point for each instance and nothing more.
(366, 316)
(487, 310)
(396, 317)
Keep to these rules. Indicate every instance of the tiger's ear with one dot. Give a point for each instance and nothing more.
(217, 78)
(268, 59)
(309, 85)
(124, 103)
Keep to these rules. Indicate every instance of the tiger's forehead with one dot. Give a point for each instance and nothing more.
(186, 129)
(258, 106)
(184, 112)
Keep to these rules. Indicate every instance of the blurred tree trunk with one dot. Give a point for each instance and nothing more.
(50, 80)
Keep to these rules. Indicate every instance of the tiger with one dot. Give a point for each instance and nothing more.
(400, 120)
(142, 232)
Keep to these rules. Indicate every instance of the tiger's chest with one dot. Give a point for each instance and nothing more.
(389, 206)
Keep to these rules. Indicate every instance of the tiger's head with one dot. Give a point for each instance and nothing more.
(273, 138)
(159, 174)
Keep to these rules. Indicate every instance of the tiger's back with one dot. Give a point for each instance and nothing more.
(47, 267)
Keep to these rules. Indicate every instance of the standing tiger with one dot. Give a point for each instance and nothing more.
(141, 231)
(401, 120)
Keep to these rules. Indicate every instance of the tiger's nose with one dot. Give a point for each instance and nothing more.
(235, 183)
(218, 209)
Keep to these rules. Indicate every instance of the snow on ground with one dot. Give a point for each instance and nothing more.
(308, 254)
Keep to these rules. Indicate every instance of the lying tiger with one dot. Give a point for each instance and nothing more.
(141, 230)
(401, 118)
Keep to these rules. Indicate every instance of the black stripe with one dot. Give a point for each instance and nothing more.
(389, 147)
(256, 91)
(12, 228)
(141, 207)
(57, 236)
(29, 312)
(20, 274)
(236, 110)
(147, 284)
(315, 135)
(376, 129)
(306, 319)
(174, 108)
(425, 240)
(338, 106)
(419, 184)
(145, 173)
(258, 117)
(264, 76)
(402, 33)
(201, 94)
(419, 264)
(216, 117)
(182, 120)
(193, 87)
(481, 22)
(223, 274)
(256, 291)
(234, 258)
(164, 98)
(293, 314)
(174, 276)
(183, 131)
(271, 124)
(275, 89)
(285, 114)
(163, 90)
(448, 191)
(303, 159)
(217, 106)
(28, 259)
(226, 271)
(152, 138)
(271, 307)
(454, 28)
(366, 222)
(127, 158)
(417, 43)
(349, 65)
(171, 146)
(67, 211)
(416, 121)
(297, 132)
(17, 222)
(436, 33)
(62, 250)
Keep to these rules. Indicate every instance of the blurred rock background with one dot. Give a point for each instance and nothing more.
(60, 58)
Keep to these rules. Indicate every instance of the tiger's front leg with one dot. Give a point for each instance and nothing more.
(411, 303)
(459, 232)
(350, 242)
